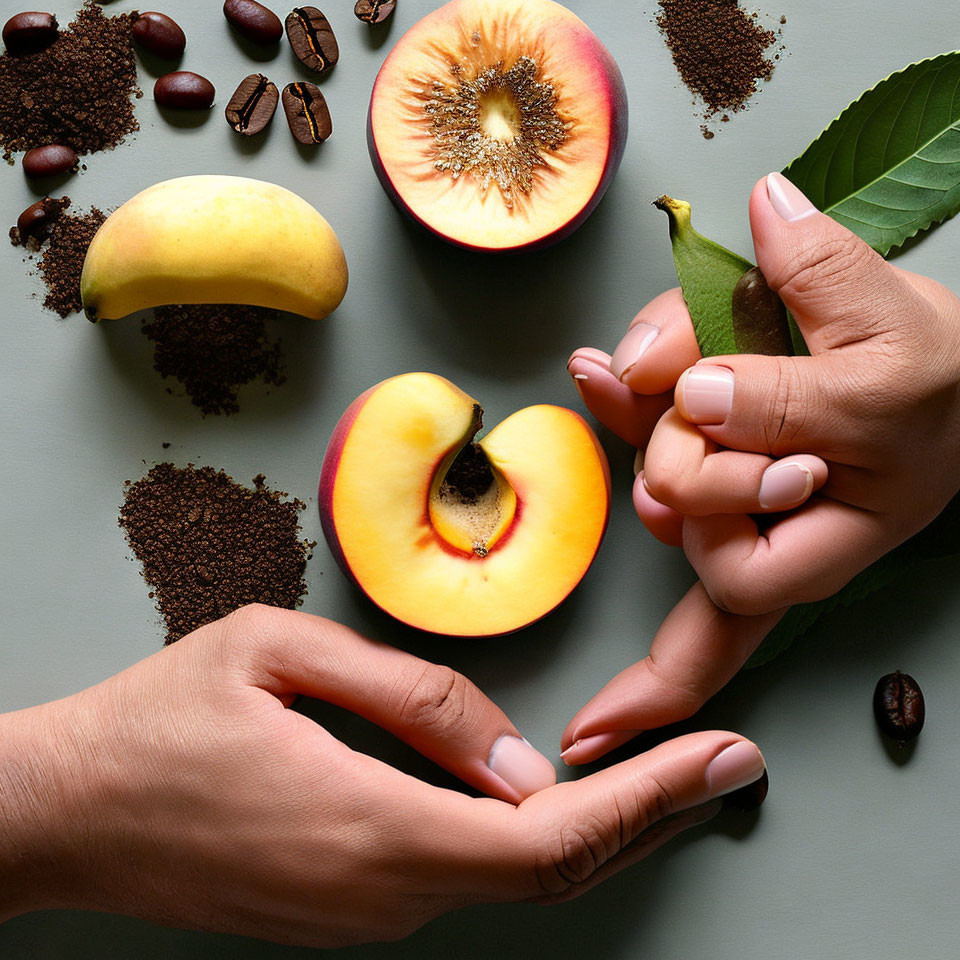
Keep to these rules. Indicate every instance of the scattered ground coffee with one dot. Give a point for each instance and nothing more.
(209, 545)
(77, 92)
(719, 50)
(213, 349)
(61, 259)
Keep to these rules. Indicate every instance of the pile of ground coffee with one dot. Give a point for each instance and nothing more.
(77, 92)
(719, 50)
(62, 253)
(209, 545)
(214, 348)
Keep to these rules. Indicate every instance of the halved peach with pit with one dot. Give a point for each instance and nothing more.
(453, 535)
(498, 124)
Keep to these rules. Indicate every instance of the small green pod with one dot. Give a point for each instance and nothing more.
(732, 308)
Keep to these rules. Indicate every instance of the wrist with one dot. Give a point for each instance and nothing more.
(33, 840)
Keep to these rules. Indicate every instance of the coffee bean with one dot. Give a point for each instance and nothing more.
(898, 706)
(252, 105)
(307, 112)
(29, 32)
(312, 39)
(34, 223)
(48, 161)
(253, 20)
(374, 11)
(159, 34)
(759, 317)
(183, 90)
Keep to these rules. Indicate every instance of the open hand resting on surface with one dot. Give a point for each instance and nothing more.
(854, 448)
(184, 791)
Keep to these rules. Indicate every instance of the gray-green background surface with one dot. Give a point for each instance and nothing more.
(854, 855)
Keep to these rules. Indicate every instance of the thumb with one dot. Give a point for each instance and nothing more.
(838, 289)
(583, 828)
(842, 294)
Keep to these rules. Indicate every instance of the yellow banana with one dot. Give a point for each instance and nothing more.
(214, 239)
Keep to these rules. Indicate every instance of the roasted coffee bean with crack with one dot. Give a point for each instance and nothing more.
(29, 32)
(312, 39)
(252, 105)
(899, 707)
(307, 112)
(374, 11)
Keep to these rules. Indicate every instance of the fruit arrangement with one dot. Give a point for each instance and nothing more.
(497, 125)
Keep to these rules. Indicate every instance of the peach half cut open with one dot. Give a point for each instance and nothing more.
(498, 124)
(457, 536)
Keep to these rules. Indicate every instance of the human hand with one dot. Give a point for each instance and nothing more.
(184, 792)
(871, 419)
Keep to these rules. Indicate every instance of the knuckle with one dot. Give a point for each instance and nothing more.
(653, 800)
(742, 596)
(835, 262)
(571, 855)
(438, 697)
(571, 852)
(672, 473)
(246, 629)
(686, 695)
(667, 485)
(251, 617)
(787, 407)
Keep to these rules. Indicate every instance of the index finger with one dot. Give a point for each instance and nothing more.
(696, 651)
(434, 709)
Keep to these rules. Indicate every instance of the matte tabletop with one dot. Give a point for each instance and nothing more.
(854, 854)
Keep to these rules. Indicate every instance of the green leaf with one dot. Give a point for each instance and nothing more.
(889, 165)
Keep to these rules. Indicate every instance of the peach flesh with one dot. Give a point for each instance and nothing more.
(574, 158)
(379, 507)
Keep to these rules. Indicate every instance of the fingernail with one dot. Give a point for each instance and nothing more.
(733, 768)
(585, 357)
(785, 485)
(638, 463)
(787, 199)
(632, 347)
(517, 763)
(595, 746)
(705, 393)
(750, 797)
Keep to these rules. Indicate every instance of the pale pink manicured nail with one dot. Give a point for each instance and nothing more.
(632, 347)
(705, 393)
(733, 768)
(785, 485)
(787, 199)
(587, 362)
(588, 356)
(525, 769)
